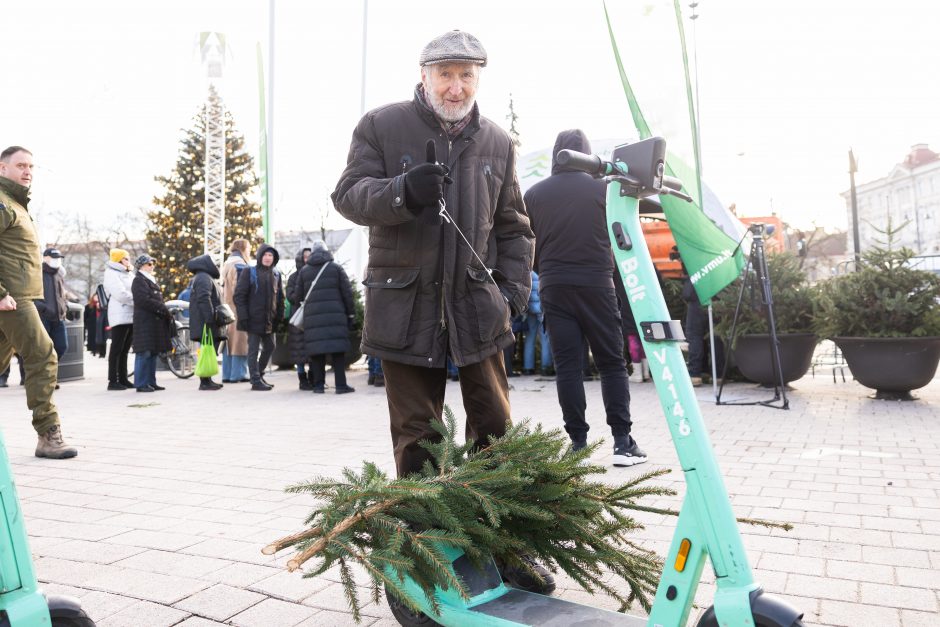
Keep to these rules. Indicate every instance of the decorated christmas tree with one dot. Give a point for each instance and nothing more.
(175, 231)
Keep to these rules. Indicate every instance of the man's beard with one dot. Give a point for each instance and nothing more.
(447, 111)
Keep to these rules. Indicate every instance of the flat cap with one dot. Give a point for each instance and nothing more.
(453, 46)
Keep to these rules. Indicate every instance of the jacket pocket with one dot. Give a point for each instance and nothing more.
(390, 297)
(491, 309)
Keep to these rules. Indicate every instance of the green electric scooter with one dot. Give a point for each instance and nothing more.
(706, 526)
(22, 603)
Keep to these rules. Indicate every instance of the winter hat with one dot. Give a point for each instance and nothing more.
(143, 260)
(117, 254)
(52, 252)
(453, 46)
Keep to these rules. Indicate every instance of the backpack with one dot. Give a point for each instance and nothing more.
(102, 296)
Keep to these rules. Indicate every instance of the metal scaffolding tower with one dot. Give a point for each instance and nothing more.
(212, 46)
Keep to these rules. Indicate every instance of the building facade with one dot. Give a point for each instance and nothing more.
(909, 196)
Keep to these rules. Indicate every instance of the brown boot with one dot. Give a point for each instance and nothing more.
(52, 445)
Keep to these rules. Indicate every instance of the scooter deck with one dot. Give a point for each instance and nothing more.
(527, 608)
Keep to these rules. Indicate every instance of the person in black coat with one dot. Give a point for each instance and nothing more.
(203, 301)
(576, 280)
(259, 301)
(152, 322)
(329, 314)
(295, 336)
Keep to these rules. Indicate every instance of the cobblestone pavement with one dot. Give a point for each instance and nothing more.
(161, 518)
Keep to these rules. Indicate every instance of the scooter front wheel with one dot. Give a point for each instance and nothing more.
(405, 615)
(768, 611)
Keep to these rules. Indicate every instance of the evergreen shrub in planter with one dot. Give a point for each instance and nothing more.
(885, 317)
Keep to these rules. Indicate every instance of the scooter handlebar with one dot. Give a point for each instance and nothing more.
(591, 164)
(672, 183)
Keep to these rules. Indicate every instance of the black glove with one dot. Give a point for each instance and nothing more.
(424, 186)
(241, 325)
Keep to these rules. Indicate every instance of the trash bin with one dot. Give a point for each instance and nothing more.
(72, 361)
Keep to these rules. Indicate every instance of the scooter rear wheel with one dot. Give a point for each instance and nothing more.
(405, 616)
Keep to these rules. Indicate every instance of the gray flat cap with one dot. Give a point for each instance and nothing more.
(453, 47)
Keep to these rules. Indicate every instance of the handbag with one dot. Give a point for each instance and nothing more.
(223, 315)
(207, 364)
(297, 318)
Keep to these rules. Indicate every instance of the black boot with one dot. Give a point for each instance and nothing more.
(304, 382)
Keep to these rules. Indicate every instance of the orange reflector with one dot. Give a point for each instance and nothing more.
(684, 547)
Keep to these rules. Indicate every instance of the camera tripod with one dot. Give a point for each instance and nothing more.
(757, 260)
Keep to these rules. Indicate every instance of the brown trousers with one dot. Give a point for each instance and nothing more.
(416, 396)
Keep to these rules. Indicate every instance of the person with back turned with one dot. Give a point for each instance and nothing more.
(576, 279)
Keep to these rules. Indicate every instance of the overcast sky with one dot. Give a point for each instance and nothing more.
(99, 90)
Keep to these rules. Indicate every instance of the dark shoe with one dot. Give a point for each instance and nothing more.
(260, 386)
(127, 384)
(4, 384)
(210, 386)
(157, 388)
(116, 387)
(344, 389)
(228, 381)
(577, 445)
(146, 388)
(53, 446)
(520, 578)
(57, 386)
(371, 380)
(627, 453)
(318, 389)
(303, 382)
(528, 373)
(379, 381)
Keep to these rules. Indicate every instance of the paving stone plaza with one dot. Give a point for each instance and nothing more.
(161, 518)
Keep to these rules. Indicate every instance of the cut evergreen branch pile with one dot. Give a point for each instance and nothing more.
(526, 492)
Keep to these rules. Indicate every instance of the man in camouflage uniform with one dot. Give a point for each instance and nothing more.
(21, 329)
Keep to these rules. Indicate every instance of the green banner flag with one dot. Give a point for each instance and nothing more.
(710, 256)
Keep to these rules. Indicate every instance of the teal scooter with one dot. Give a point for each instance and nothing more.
(706, 526)
(22, 603)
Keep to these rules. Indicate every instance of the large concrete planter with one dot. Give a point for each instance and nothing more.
(892, 366)
(754, 358)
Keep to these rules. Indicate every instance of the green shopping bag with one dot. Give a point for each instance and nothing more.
(207, 364)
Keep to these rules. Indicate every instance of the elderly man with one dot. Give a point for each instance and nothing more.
(431, 294)
(21, 329)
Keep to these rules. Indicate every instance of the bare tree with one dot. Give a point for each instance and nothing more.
(86, 245)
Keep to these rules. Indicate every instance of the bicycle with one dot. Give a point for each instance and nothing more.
(180, 359)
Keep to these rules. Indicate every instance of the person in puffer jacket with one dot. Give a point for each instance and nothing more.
(117, 282)
(259, 303)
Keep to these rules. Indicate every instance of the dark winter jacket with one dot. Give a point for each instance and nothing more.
(426, 294)
(259, 295)
(152, 319)
(204, 298)
(54, 305)
(568, 215)
(295, 336)
(329, 310)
